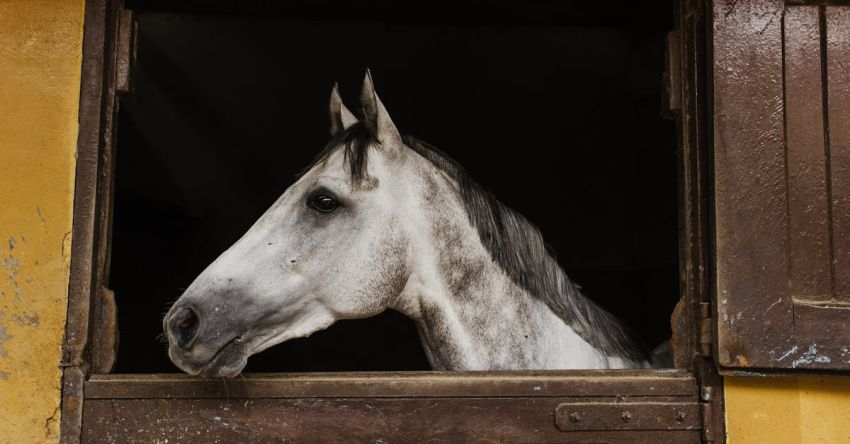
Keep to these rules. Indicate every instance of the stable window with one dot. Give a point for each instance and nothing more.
(228, 110)
(221, 105)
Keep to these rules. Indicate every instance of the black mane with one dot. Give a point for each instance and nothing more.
(513, 242)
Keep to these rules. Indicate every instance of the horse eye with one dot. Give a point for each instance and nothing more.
(323, 202)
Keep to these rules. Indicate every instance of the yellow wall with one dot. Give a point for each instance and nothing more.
(787, 410)
(40, 56)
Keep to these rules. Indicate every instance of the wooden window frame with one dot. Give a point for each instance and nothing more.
(683, 404)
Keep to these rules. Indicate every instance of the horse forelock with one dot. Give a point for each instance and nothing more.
(355, 143)
(512, 241)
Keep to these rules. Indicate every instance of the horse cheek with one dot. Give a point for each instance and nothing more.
(384, 274)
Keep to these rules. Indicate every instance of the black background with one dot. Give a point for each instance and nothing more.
(554, 107)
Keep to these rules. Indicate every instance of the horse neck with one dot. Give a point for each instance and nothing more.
(469, 312)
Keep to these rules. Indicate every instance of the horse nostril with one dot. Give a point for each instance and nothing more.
(184, 326)
(188, 321)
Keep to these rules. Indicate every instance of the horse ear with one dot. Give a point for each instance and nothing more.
(375, 113)
(341, 117)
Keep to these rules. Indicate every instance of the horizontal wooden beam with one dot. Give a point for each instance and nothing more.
(605, 383)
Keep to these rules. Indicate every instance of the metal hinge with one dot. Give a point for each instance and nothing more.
(707, 413)
(705, 326)
(710, 399)
(602, 416)
(125, 51)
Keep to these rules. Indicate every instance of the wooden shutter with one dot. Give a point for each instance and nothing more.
(782, 184)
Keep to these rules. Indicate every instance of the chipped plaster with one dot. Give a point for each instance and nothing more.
(40, 60)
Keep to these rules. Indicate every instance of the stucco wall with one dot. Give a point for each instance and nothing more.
(40, 56)
(787, 410)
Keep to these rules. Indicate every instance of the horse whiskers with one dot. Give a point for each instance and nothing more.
(226, 389)
(168, 306)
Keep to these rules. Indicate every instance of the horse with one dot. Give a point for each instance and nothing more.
(384, 221)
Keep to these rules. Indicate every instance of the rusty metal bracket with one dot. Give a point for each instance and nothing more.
(707, 411)
(711, 401)
(599, 416)
(125, 51)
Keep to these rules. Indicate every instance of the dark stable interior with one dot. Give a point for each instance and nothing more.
(554, 107)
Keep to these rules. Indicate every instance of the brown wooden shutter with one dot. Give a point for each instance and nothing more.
(782, 184)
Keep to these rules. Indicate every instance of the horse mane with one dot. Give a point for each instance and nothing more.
(513, 242)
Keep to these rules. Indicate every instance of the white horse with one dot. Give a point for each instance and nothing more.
(384, 221)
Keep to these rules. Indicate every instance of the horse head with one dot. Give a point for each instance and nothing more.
(408, 230)
(333, 246)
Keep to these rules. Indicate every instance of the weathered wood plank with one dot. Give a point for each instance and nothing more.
(750, 214)
(837, 20)
(387, 385)
(512, 420)
(808, 222)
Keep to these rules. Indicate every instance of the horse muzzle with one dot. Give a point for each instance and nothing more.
(196, 354)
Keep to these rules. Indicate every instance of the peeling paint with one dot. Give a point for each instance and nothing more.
(51, 424)
(748, 373)
(793, 350)
(4, 336)
(66, 245)
(12, 264)
(742, 361)
(811, 355)
(27, 319)
(845, 353)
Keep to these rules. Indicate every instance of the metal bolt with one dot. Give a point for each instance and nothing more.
(705, 394)
(627, 416)
(575, 417)
(680, 416)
